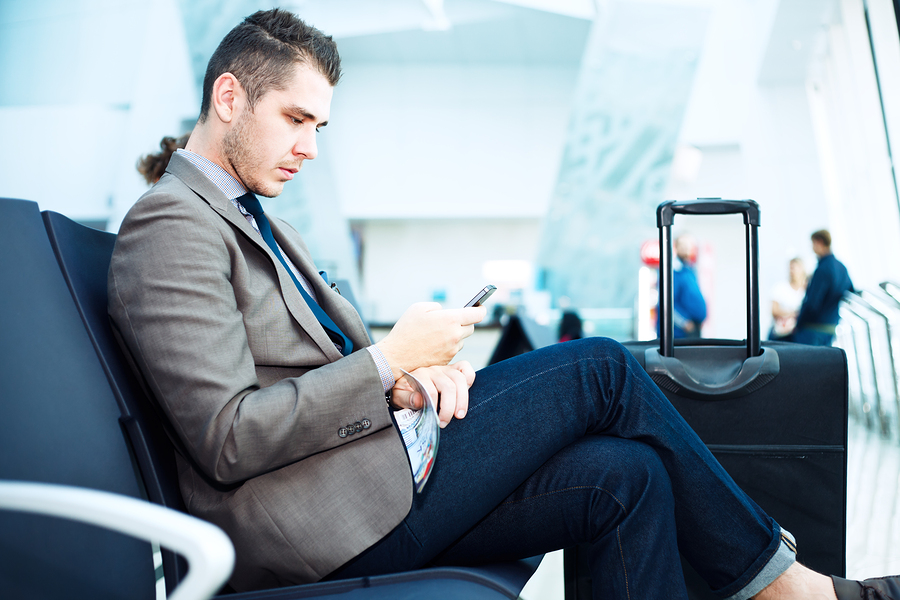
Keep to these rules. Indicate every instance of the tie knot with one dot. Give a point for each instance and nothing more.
(251, 204)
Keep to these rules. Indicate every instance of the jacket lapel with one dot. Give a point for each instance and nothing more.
(337, 307)
(300, 312)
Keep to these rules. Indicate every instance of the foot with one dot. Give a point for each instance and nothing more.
(880, 588)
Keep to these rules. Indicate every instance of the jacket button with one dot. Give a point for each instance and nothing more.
(351, 429)
(342, 432)
(357, 427)
(366, 423)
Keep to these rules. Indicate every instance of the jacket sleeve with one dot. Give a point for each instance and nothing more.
(177, 286)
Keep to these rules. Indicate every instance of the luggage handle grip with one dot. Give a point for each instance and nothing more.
(665, 214)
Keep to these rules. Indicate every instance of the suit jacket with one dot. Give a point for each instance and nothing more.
(254, 390)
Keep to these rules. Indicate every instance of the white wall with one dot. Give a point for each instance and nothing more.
(408, 260)
(862, 206)
(438, 140)
(467, 154)
(88, 91)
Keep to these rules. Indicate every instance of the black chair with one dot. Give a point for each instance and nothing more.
(83, 256)
(58, 424)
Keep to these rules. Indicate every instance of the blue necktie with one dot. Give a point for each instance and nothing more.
(249, 202)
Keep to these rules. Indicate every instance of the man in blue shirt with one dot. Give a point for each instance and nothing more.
(688, 303)
(819, 312)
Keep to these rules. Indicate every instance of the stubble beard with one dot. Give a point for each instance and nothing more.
(238, 148)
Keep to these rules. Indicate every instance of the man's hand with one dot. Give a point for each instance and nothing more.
(448, 385)
(428, 336)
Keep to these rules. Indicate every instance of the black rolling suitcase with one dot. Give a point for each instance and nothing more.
(774, 414)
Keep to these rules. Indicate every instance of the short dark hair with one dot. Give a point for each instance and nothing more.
(823, 236)
(262, 51)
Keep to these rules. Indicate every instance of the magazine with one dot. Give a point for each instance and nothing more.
(421, 433)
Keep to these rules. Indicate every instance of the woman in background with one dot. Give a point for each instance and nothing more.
(786, 300)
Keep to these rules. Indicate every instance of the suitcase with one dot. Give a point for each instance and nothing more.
(773, 413)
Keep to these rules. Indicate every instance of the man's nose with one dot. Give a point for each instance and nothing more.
(306, 145)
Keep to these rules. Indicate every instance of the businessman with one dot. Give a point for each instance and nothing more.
(281, 407)
(820, 312)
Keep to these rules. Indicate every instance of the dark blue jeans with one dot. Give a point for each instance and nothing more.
(574, 444)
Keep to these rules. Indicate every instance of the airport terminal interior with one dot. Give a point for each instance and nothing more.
(526, 144)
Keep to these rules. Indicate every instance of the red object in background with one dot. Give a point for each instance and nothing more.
(650, 253)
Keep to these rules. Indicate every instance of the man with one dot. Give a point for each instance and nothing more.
(819, 313)
(689, 307)
(278, 403)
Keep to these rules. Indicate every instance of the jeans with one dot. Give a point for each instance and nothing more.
(570, 444)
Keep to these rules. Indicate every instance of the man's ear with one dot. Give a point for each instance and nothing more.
(227, 95)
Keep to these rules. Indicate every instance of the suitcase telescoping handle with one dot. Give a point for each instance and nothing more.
(709, 371)
(665, 216)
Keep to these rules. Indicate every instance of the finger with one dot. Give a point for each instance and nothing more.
(426, 306)
(404, 396)
(467, 316)
(460, 391)
(430, 388)
(446, 390)
(467, 370)
(462, 396)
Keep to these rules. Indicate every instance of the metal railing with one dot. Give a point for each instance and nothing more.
(869, 332)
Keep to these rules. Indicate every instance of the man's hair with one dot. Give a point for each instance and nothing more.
(152, 166)
(262, 52)
(823, 236)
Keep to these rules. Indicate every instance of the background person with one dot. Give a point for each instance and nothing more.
(688, 304)
(819, 314)
(570, 326)
(787, 296)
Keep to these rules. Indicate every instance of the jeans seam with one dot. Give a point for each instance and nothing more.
(622, 557)
(536, 375)
(569, 489)
(589, 487)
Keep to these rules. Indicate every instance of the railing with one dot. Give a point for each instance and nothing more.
(869, 332)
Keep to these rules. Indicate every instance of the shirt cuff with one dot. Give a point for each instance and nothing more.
(384, 369)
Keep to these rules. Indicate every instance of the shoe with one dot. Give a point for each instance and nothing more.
(879, 588)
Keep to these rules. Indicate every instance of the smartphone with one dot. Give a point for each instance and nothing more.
(482, 296)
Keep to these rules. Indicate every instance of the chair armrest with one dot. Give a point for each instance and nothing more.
(209, 552)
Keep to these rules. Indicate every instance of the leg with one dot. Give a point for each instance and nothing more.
(525, 410)
(610, 493)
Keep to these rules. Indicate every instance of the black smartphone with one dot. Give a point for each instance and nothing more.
(481, 296)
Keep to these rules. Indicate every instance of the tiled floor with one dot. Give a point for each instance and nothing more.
(873, 516)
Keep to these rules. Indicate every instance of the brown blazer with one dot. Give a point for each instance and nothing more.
(253, 387)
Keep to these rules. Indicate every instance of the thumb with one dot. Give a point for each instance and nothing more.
(402, 398)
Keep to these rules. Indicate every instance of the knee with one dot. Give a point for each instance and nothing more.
(644, 477)
(600, 347)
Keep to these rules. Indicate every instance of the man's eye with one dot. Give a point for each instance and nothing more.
(296, 121)
(318, 130)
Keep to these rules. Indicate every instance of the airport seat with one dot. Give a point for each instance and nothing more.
(74, 414)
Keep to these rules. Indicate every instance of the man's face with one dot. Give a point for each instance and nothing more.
(266, 147)
(819, 248)
(686, 249)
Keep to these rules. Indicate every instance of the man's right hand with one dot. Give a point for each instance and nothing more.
(427, 335)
